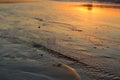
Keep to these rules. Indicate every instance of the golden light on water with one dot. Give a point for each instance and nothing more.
(93, 8)
(86, 9)
(90, 18)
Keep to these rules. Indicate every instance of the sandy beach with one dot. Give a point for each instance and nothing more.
(57, 40)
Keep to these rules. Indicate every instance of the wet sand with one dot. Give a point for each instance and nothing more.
(50, 40)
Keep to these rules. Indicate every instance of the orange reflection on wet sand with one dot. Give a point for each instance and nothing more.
(93, 13)
(90, 17)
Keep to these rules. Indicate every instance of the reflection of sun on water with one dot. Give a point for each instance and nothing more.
(91, 17)
(87, 9)
(104, 9)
